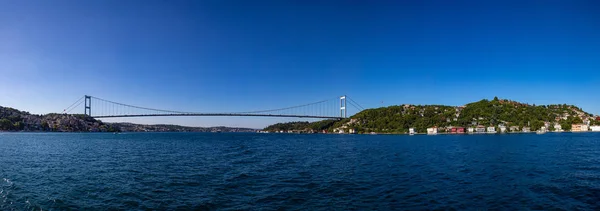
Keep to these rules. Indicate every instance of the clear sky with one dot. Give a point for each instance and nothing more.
(220, 56)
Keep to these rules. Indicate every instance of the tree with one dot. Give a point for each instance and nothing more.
(18, 126)
(45, 126)
(565, 125)
(5, 124)
(576, 120)
(536, 125)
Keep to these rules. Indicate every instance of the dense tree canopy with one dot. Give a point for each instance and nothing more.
(304, 126)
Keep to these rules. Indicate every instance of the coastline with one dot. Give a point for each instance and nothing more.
(445, 134)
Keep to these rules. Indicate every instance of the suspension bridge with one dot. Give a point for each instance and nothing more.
(334, 108)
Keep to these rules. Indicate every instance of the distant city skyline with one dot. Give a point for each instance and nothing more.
(212, 56)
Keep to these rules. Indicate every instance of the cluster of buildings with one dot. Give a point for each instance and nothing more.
(460, 130)
(480, 129)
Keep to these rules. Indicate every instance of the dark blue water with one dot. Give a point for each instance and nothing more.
(203, 171)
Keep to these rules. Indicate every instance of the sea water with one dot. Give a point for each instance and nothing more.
(245, 171)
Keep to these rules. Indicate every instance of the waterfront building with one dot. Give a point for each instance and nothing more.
(432, 131)
(514, 128)
(595, 128)
(502, 128)
(451, 129)
(470, 130)
(411, 131)
(491, 129)
(558, 128)
(526, 130)
(480, 129)
(579, 128)
(576, 128)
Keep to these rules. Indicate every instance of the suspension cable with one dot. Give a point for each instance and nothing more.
(355, 106)
(362, 108)
(246, 112)
(280, 109)
(74, 107)
(132, 106)
(71, 106)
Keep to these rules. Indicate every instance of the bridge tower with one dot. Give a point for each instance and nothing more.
(88, 106)
(343, 112)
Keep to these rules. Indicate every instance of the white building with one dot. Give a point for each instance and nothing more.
(595, 128)
(411, 131)
(558, 128)
(491, 129)
(480, 129)
(470, 130)
(432, 131)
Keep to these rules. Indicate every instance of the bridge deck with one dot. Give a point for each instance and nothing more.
(219, 114)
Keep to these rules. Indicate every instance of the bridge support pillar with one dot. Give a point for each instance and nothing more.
(88, 106)
(343, 112)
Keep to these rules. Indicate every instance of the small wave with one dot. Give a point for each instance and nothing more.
(7, 182)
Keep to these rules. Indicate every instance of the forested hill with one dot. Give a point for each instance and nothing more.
(315, 126)
(397, 119)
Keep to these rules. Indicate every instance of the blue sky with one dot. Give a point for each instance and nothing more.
(219, 56)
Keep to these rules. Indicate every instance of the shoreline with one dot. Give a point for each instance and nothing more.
(420, 134)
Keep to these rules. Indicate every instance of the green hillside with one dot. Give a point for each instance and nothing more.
(397, 119)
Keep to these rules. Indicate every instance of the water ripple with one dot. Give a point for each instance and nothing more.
(195, 171)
